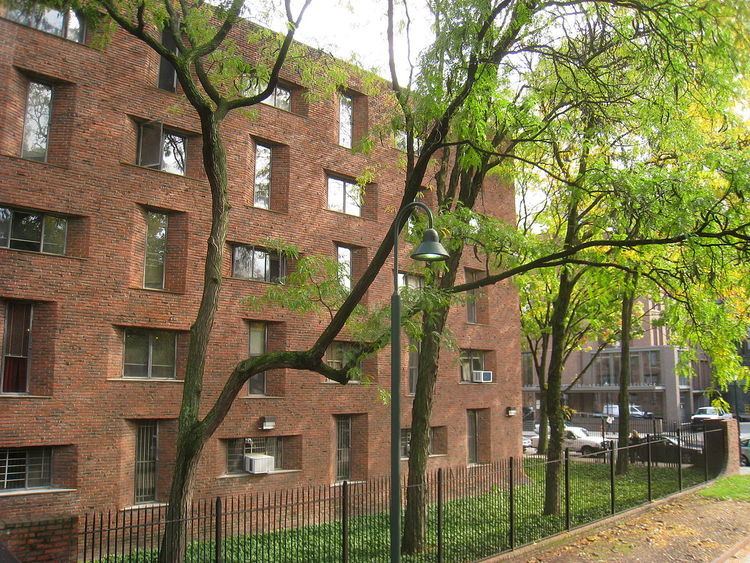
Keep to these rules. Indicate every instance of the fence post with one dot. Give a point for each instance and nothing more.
(440, 515)
(612, 476)
(567, 488)
(679, 458)
(217, 531)
(512, 506)
(648, 457)
(705, 454)
(345, 522)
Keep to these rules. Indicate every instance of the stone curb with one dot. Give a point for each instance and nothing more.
(738, 552)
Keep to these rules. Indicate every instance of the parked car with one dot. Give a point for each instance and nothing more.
(707, 413)
(745, 452)
(635, 411)
(578, 440)
(526, 440)
(665, 450)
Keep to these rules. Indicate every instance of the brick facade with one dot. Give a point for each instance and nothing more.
(78, 402)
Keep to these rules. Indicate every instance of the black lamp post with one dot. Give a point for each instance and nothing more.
(429, 250)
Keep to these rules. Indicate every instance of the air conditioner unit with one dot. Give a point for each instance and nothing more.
(258, 463)
(481, 376)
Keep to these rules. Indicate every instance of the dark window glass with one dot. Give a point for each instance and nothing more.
(65, 24)
(167, 74)
(146, 448)
(35, 232)
(149, 353)
(472, 435)
(18, 318)
(36, 123)
(239, 447)
(252, 263)
(25, 468)
(156, 249)
(343, 447)
(258, 342)
(161, 149)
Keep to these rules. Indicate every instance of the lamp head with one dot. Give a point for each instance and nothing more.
(430, 249)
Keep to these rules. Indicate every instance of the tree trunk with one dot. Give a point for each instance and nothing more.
(554, 395)
(433, 324)
(415, 518)
(543, 422)
(190, 434)
(623, 400)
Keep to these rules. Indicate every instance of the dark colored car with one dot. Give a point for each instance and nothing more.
(665, 450)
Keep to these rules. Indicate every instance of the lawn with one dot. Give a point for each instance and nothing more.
(734, 487)
(474, 527)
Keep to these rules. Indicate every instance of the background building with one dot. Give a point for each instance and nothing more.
(654, 383)
(104, 215)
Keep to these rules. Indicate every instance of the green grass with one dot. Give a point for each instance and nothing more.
(475, 526)
(734, 487)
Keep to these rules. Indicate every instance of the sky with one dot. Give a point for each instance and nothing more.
(356, 30)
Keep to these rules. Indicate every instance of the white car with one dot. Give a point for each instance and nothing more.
(578, 440)
(745, 451)
(707, 413)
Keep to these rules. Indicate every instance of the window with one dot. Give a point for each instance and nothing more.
(527, 369)
(339, 354)
(258, 344)
(35, 232)
(343, 447)
(25, 468)
(15, 368)
(471, 361)
(346, 120)
(161, 149)
(411, 281)
(67, 24)
(414, 347)
(472, 436)
(344, 197)
(262, 187)
(473, 295)
(238, 448)
(36, 122)
(149, 354)
(406, 442)
(280, 98)
(146, 448)
(156, 250)
(167, 75)
(255, 263)
(344, 258)
(401, 142)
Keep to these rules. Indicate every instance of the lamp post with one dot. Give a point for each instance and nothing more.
(429, 250)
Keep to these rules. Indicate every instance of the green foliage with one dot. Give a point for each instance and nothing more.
(732, 487)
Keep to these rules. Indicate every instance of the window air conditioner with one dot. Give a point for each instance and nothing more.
(481, 376)
(258, 463)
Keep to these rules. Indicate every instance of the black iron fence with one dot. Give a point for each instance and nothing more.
(471, 512)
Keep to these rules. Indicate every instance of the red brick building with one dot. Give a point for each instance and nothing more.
(104, 214)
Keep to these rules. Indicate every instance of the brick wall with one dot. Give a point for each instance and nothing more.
(41, 541)
(95, 290)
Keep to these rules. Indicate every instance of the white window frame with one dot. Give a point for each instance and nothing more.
(350, 193)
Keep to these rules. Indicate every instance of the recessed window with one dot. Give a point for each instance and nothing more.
(471, 361)
(472, 294)
(25, 468)
(346, 120)
(472, 435)
(161, 148)
(15, 368)
(343, 448)
(339, 354)
(149, 354)
(405, 445)
(413, 282)
(67, 23)
(258, 345)
(280, 98)
(401, 141)
(238, 448)
(167, 75)
(259, 264)
(262, 186)
(146, 459)
(36, 122)
(35, 232)
(344, 196)
(344, 259)
(157, 225)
